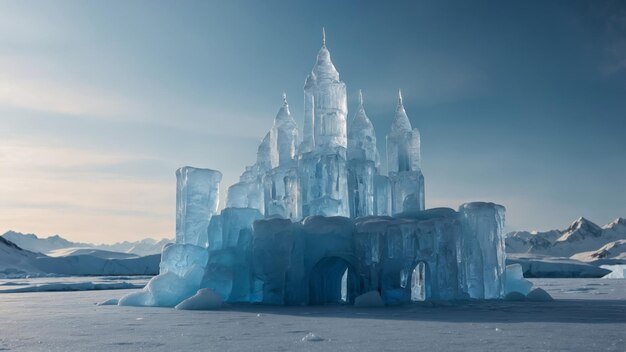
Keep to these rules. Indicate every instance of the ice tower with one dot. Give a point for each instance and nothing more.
(403, 163)
(323, 167)
(281, 184)
(363, 162)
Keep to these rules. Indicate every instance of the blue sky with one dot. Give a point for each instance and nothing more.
(520, 102)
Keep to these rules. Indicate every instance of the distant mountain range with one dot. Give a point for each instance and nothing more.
(54, 244)
(582, 240)
(16, 262)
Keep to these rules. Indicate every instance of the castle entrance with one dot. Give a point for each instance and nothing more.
(332, 281)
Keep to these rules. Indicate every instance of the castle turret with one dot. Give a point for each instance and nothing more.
(284, 135)
(264, 152)
(403, 163)
(361, 136)
(362, 163)
(325, 105)
(403, 142)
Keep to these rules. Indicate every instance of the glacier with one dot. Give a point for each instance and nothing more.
(315, 220)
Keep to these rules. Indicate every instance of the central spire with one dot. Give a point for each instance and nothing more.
(324, 68)
(401, 120)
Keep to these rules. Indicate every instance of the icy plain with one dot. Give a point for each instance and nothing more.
(588, 315)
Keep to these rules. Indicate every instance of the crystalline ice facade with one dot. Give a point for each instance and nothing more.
(362, 137)
(485, 264)
(324, 184)
(285, 134)
(197, 197)
(282, 193)
(326, 106)
(363, 162)
(249, 192)
(317, 223)
(514, 280)
(361, 174)
(382, 195)
(403, 160)
(182, 269)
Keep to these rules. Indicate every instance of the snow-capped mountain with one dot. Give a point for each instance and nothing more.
(15, 261)
(100, 253)
(33, 243)
(47, 245)
(612, 250)
(581, 236)
(18, 262)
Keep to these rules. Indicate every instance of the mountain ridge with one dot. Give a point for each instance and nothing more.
(582, 236)
(46, 245)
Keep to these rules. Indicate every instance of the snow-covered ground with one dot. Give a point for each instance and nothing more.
(588, 315)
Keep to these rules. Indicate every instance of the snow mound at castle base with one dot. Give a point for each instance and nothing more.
(182, 271)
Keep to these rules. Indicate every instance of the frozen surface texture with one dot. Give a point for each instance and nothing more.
(197, 197)
(587, 315)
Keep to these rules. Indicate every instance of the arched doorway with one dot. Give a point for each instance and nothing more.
(332, 281)
(419, 283)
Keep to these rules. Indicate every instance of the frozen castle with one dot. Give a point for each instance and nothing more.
(314, 221)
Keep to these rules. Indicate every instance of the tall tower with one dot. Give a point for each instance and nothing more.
(284, 135)
(403, 161)
(362, 163)
(322, 167)
(325, 105)
(280, 184)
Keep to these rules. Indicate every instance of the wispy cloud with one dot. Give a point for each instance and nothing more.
(46, 185)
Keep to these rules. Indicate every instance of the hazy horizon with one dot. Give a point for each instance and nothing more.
(518, 103)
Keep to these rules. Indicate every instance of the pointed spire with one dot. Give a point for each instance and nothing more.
(360, 98)
(401, 120)
(323, 36)
(285, 99)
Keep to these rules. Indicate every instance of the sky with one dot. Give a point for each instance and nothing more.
(522, 103)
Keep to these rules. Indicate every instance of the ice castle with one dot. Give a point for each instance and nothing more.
(314, 221)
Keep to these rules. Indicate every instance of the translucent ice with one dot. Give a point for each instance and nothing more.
(325, 106)
(362, 164)
(362, 137)
(403, 143)
(204, 299)
(197, 197)
(285, 135)
(403, 164)
(485, 261)
(316, 222)
(179, 258)
(514, 280)
(166, 290)
(324, 184)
